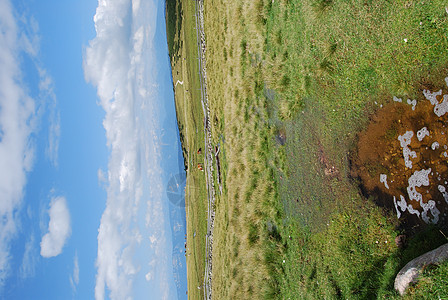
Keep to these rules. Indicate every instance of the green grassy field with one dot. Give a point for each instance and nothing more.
(183, 55)
(291, 83)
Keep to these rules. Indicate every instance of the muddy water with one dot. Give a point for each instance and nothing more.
(402, 157)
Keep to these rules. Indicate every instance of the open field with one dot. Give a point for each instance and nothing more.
(183, 53)
(291, 84)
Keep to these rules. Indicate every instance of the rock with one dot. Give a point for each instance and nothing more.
(403, 280)
(412, 270)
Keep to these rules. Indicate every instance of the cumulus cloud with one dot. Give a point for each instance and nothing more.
(58, 228)
(120, 62)
(74, 278)
(17, 121)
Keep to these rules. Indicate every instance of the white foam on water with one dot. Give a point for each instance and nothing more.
(439, 108)
(432, 96)
(397, 99)
(418, 179)
(413, 211)
(413, 103)
(383, 179)
(422, 133)
(402, 204)
(442, 190)
(428, 212)
(405, 141)
(396, 208)
(430, 206)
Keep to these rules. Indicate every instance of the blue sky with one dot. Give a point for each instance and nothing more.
(88, 142)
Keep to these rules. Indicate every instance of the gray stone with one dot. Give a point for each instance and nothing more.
(412, 270)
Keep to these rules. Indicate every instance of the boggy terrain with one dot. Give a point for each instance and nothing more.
(402, 158)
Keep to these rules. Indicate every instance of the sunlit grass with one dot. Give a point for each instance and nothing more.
(327, 63)
(183, 55)
(283, 227)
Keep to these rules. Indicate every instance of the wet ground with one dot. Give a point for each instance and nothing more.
(402, 157)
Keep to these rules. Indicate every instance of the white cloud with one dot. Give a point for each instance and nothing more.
(46, 91)
(149, 276)
(74, 278)
(19, 117)
(58, 228)
(54, 133)
(17, 121)
(29, 260)
(29, 41)
(101, 177)
(120, 62)
(152, 239)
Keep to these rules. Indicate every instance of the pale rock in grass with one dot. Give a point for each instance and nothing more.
(435, 146)
(422, 133)
(405, 141)
(411, 271)
(403, 280)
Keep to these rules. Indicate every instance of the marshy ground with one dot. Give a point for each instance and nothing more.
(404, 139)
